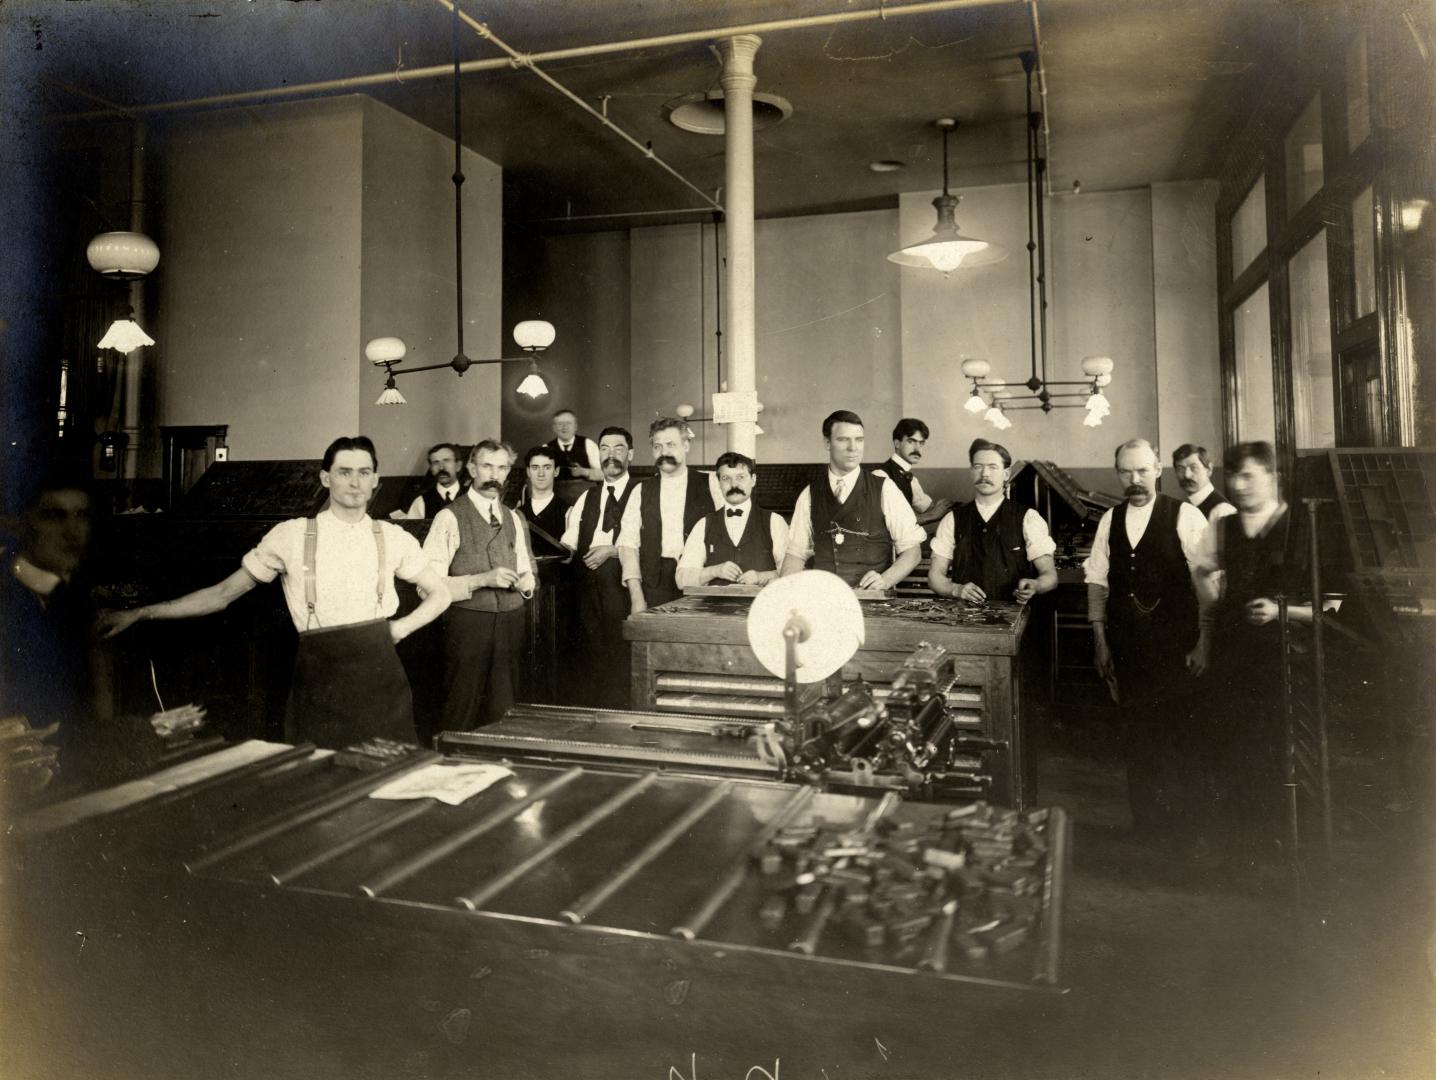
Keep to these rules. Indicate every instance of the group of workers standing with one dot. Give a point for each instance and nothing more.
(1180, 592)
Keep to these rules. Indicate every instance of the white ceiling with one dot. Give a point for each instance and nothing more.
(1139, 90)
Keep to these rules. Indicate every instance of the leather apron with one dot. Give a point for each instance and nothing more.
(349, 684)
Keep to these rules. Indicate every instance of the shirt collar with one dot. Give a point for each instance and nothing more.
(480, 503)
(620, 485)
(534, 500)
(897, 460)
(1197, 499)
(746, 506)
(1258, 523)
(364, 522)
(834, 477)
(38, 581)
(442, 488)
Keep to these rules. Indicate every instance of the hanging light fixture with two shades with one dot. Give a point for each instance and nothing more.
(123, 256)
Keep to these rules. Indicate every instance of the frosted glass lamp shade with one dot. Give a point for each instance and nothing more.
(973, 368)
(974, 403)
(123, 256)
(1096, 365)
(125, 336)
(533, 385)
(385, 350)
(534, 335)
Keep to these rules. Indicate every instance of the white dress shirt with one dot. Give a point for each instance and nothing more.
(601, 536)
(39, 581)
(590, 450)
(1190, 528)
(448, 493)
(1035, 537)
(443, 538)
(1221, 510)
(346, 563)
(920, 499)
(539, 503)
(672, 498)
(695, 548)
(897, 514)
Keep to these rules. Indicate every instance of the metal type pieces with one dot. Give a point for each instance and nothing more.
(962, 889)
(448, 845)
(307, 811)
(703, 914)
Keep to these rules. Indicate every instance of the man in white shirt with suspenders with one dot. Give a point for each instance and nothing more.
(337, 570)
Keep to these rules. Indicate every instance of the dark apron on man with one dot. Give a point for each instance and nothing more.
(349, 684)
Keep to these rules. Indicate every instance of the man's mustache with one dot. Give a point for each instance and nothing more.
(1135, 489)
(491, 485)
(914, 455)
(611, 461)
(736, 491)
(665, 459)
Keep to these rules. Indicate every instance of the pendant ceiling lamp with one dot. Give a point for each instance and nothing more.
(1096, 370)
(947, 248)
(532, 336)
(123, 256)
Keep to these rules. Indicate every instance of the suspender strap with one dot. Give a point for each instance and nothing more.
(311, 542)
(379, 578)
(311, 591)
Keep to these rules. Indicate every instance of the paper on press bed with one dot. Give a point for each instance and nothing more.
(450, 784)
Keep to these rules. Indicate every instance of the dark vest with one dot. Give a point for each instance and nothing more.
(434, 502)
(481, 548)
(588, 519)
(1211, 502)
(866, 542)
(992, 554)
(567, 459)
(1255, 567)
(1150, 586)
(697, 503)
(899, 476)
(754, 550)
(550, 521)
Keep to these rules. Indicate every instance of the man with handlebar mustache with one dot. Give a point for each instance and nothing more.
(1142, 601)
(483, 551)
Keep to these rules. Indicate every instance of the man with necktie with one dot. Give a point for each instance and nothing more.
(591, 533)
(448, 484)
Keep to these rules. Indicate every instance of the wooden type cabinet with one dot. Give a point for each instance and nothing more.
(709, 635)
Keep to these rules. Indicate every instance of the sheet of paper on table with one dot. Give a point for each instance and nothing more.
(450, 784)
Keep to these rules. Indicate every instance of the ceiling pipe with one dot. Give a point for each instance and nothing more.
(438, 71)
(1042, 93)
(520, 60)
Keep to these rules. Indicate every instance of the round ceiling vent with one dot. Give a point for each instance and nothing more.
(702, 114)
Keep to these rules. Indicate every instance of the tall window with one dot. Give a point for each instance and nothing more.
(1249, 228)
(1256, 402)
(1314, 406)
(1304, 174)
(1363, 253)
(1358, 97)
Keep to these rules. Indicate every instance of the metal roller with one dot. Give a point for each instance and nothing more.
(685, 682)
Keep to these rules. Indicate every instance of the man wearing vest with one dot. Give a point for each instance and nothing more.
(338, 570)
(539, 505)
(482, 549)
(1142, 602)
(909, 437)
(852, 522)
(591, 533)
(660, 515)
(577, 456)
(1194, 473)
(444, 468)
(741, 542)
(992, 548)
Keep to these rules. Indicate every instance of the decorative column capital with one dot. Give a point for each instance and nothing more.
(738, 53)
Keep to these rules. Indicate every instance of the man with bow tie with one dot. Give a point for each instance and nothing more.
(741, 542)
(448, 484)
(591, 532)
(482, 550)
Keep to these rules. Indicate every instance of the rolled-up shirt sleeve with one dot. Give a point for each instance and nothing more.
(442, 541)
(1191, 528)
(900, 520)
(267, 560)
(1094, 569)
(800, 528)
(411, 562)
(1035, 536)
(778, 533)
(944, 541)
(693, 559)
(569, 539)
